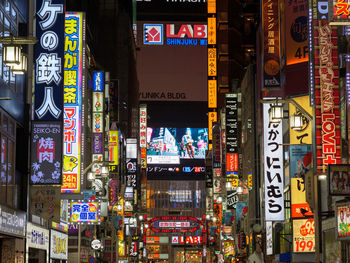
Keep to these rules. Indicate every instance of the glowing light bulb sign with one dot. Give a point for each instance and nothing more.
(173, 224)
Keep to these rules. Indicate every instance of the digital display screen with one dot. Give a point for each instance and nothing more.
(176, 153)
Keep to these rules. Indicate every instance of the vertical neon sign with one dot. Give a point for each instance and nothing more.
(72, 102)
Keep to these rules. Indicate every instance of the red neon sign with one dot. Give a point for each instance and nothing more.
(189, 31)
(327, 95)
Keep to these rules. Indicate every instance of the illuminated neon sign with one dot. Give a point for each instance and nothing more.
(183, 34)
(48, 55)
(73, 67)
(186, 240)
(84, 212)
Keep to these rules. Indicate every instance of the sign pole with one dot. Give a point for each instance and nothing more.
(79, 242)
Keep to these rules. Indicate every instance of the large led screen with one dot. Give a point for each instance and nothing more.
(176, 153)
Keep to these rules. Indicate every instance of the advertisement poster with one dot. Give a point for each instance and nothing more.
(97, 101)
(46, 202)
(303, 235)
(217, 185)
(339, 179)
(241, 209)
(343, 221)
(46, 152)
(300, 160)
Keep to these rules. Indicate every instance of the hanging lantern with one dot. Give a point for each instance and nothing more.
(104, 171)
(91, 176)
(21, 67)
(296, 122)
(276, 113)
(11, 54)
(239, 190)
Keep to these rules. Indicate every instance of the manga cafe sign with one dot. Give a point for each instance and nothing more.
(73, 89)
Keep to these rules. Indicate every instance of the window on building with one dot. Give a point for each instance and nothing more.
(7, 158)
(9, 19)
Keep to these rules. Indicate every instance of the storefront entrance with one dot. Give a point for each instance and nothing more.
(37, 255)
(187, 255)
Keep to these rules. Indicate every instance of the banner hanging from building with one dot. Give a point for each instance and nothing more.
(73, 88)
(271, 44)
(339, 179)
(46, 152)
(343, 221)
(273, 168)
(300, 160)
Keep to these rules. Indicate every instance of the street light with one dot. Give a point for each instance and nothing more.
(276, 112)
(20, 69)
